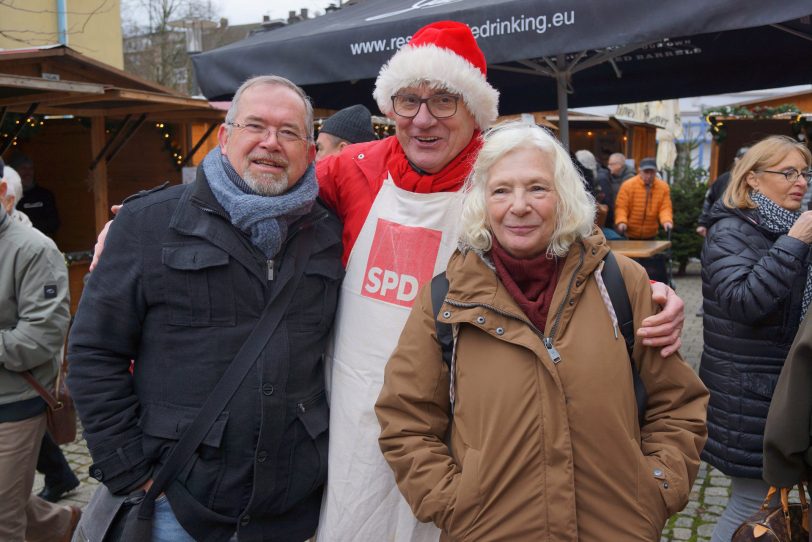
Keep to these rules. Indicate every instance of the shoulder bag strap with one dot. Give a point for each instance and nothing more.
(222, 393)
(53, 403)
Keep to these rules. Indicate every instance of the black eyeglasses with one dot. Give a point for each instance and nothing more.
(791, 174)
(441, 106)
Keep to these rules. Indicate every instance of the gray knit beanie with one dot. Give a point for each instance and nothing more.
(353, 124)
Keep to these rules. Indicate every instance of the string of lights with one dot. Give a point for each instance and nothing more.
(11, 123)
(170, 142)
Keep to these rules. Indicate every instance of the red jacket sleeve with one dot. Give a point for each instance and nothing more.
(326, 175)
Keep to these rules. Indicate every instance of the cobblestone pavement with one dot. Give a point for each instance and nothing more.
(79, 458)
(695, 523)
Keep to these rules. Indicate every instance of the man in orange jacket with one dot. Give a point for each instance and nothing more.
(643, 203)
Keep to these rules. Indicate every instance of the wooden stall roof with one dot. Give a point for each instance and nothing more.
(37, 88)
(64, 82)
(63, 62)
(589, 119)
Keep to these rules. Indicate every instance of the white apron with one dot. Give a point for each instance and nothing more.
(406, 240)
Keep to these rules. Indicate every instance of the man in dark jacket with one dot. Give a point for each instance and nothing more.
(186, 276)
(37, 202)
(350, 125)
(619, 172)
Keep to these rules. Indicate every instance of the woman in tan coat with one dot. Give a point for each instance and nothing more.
(540, 442)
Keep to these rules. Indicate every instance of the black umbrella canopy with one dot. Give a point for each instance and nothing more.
(602, 52)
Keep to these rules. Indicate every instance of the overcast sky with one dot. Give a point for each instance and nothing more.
(251, 11)
(236, 11)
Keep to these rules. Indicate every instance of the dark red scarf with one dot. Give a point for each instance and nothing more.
(449, 179)
(530, 282)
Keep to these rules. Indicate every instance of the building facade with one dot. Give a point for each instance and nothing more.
(91, 27)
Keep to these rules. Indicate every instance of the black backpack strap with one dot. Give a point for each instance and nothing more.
(616, 289)
(139, 523)
(439, 289)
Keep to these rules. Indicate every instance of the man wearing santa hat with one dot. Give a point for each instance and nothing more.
(400, 203)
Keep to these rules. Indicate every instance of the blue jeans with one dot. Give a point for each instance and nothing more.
(165, 526)
(611, 235)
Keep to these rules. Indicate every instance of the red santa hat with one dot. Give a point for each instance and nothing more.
(443, 55)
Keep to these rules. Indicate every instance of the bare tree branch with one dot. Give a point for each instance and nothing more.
(153, 49)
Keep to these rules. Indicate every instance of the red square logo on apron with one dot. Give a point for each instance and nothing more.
(400, 261)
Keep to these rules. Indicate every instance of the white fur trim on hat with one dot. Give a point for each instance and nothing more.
(440, 68)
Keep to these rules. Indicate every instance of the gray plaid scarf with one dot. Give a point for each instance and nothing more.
(779, 220)
(264, 218)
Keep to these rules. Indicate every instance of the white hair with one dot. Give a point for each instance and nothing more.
(575, 210)
(14, 183)
(589, 161)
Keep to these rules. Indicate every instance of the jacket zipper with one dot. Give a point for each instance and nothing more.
(270, 263)
(304, 405)
(645, 203)
(547, 341)
(560, 311)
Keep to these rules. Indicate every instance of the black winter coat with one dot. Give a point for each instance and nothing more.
(178, 291)
(752, 285)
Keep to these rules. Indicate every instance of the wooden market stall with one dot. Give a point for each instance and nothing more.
(745, 123)
(95, 134)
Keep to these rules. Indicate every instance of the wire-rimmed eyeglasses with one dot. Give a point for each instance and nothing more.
(441, 106)
(791, 174)
(258, 131)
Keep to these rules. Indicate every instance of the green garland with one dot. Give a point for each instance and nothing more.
(717, 127)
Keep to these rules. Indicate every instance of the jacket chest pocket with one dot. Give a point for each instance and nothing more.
(198, 285)
(314, 305)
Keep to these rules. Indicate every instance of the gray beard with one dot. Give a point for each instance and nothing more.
(267, 185)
